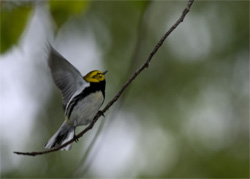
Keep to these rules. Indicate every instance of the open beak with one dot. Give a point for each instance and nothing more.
(105, 72)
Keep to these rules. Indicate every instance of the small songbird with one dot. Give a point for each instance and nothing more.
(82, 97)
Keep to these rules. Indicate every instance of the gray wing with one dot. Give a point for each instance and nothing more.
(66, 77)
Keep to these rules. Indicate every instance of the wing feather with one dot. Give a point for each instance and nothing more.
(66, 77)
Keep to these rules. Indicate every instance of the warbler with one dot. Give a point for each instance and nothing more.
(82, 97)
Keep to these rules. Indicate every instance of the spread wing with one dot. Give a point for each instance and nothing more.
(66, 77)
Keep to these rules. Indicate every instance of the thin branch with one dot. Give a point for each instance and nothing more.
(129, 81)
(91, 152)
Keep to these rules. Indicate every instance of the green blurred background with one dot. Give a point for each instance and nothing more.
(186, 116)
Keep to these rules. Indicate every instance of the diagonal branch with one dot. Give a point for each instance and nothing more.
(117, 96)
(91, 153)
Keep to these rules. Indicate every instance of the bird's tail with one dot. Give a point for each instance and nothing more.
(63, 135)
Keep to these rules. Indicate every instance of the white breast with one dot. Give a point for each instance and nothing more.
(86, 109)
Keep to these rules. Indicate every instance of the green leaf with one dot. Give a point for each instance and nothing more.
(13, 19)
(62, 10)
(141, 5)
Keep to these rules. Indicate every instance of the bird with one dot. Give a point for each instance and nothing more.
(82, 97)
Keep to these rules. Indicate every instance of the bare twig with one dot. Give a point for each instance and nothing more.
(116, 97)
(91, 153)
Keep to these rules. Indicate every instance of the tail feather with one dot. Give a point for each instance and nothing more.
(63, 135)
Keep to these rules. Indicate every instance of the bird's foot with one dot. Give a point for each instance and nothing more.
(101, 113)
(75, 139)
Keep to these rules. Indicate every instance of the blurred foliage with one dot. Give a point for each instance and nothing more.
(13, 19)
(195, 91)
(63, 10)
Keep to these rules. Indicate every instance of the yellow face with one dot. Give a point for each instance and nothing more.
(95, 76)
